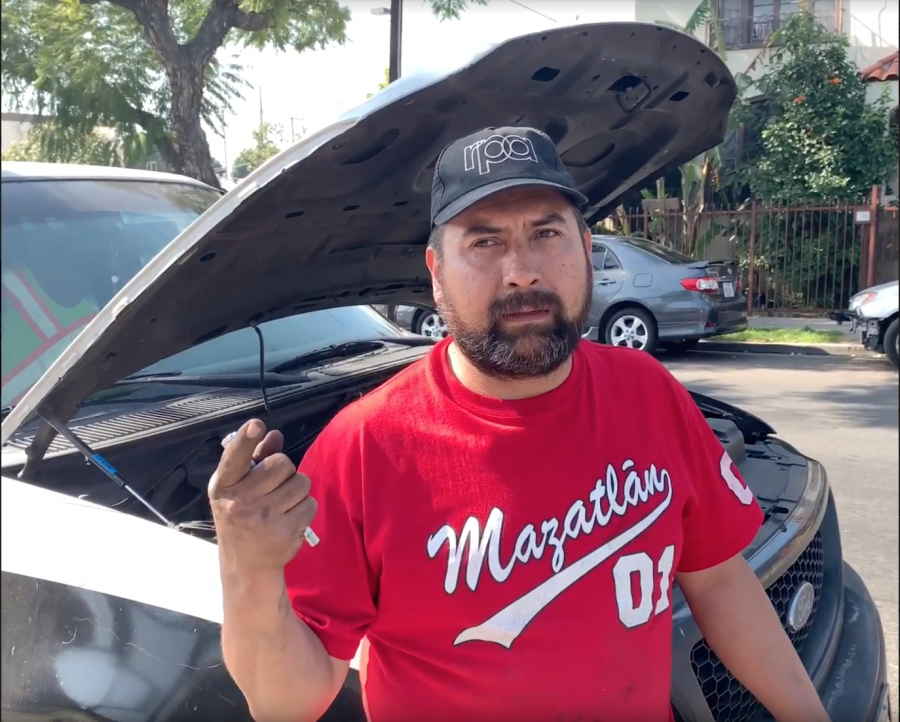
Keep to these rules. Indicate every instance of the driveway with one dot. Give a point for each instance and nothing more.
(843, 412)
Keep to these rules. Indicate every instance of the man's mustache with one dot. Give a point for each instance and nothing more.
(525, 301)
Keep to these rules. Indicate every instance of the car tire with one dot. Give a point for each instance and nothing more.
(685, 344)
(429, 323)
(891, 337)
(631, 327)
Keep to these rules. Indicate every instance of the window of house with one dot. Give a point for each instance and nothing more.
(751, 23)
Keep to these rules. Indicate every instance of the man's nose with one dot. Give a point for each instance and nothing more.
(521, 269)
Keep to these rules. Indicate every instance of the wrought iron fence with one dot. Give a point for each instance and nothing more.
(794, 260)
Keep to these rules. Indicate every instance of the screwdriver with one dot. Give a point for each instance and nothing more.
(308, 534)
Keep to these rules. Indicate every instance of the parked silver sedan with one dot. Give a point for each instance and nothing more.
(645, 296)
(423, 321)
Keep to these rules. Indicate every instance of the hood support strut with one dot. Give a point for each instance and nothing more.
(94, 458)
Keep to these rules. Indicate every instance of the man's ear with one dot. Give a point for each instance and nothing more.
(588, 242)
(432, 261)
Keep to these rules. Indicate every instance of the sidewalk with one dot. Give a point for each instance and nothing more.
(816, 324)
(848, 345)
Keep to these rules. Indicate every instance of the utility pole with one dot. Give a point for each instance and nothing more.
(294, 133)
(396, 43)
(396, 39)
(225, 150)
(260, 106)
(396, 48)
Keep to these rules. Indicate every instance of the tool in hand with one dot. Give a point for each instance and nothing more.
(308, 534)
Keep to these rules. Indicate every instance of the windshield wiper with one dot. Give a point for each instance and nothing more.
(152, 375)
(273, 377)
(227, 381)
(350, 348)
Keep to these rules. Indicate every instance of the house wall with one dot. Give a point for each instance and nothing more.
(871, 26)
(875, 89)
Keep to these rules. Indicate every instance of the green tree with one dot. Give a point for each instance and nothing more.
(49, 143)
(154, 67)
(820, 140)
(696, 174)
(383, 84)
(266, 140)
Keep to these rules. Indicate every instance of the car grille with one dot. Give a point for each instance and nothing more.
(728, 699)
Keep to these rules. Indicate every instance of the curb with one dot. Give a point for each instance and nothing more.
(789, 349)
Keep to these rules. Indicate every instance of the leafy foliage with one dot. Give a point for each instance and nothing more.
(451, 9)
(153, 68)
(48, 143)
(820, 140)
(697, 174)
(705, 14)
(383, 84)
(90, 67)
(267, 138)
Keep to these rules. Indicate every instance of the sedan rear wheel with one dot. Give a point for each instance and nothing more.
(631, 328)
(430, 324)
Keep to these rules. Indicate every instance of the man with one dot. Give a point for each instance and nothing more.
(502, 522)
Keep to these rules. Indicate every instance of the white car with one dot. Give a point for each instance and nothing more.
(876, 313)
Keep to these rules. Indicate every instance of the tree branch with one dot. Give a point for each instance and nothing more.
(222, 17)
(153, 17)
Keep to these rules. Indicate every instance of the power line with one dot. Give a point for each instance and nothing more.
(536, 12)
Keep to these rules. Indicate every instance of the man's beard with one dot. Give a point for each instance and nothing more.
(532, 351)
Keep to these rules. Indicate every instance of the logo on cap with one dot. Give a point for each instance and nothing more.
(495, 149)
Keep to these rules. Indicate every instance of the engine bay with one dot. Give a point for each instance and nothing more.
(170, 467)
(168, 451)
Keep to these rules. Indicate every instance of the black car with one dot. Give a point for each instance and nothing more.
(111, 595)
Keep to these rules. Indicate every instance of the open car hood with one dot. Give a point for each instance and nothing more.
(342, 217)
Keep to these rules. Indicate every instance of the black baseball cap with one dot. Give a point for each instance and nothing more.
(496, 159)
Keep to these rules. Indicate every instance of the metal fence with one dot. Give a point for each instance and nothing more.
(794, 260)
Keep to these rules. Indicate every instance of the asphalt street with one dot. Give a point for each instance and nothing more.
(843, 412)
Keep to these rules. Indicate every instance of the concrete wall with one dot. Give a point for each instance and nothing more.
(14, 127)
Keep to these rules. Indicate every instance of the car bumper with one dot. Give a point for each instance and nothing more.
(869, 331)
(855, 689)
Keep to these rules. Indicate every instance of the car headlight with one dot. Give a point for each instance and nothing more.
(867, 298)
(815, 495)
(861, 300)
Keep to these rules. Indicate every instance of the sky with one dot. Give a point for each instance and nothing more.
(312, 89)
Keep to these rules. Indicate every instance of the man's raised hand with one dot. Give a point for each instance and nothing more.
(260, 512)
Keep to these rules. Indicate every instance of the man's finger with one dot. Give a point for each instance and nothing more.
(269, 474)
(272, 444)
(290, 493)
(301, 516)
(237, 457)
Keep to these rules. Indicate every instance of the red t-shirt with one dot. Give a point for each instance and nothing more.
(514, 560)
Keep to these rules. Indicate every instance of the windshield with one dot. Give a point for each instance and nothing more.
(656, 249)
(68, 247)
(238, 352)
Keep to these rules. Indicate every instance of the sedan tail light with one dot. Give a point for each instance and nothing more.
(706, 284)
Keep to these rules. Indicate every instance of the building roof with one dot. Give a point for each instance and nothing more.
(888, 68)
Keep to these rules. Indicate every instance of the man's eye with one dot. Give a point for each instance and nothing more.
(547, 233)
(484, 242)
